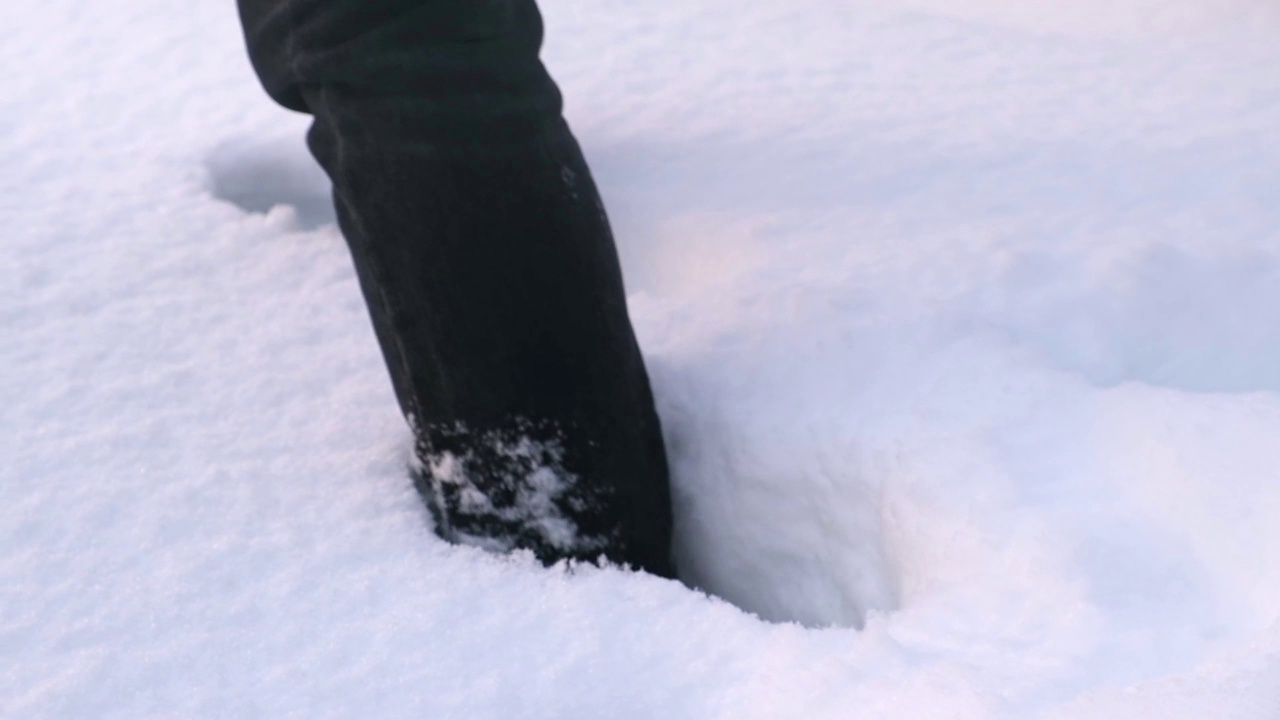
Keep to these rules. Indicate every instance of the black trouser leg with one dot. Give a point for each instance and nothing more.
(487, 264)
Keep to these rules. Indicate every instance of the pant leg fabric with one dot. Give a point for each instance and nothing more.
(488, 266)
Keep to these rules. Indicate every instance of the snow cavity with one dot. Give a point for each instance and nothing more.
(259, 174)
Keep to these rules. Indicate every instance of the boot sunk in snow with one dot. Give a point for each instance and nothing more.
(488, 267)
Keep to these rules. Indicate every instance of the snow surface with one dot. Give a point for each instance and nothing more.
(961, 317)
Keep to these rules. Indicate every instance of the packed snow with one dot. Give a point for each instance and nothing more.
(961, 317)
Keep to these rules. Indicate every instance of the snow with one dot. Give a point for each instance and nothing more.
(960, 321)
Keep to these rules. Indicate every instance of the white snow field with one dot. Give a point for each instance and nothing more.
(962, 316)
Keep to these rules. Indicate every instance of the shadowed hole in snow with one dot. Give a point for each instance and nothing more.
(256, 176)
(780, 517)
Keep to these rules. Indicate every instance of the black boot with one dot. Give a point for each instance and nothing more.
(488, 267)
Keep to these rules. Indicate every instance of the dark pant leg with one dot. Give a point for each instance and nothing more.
(487, 263)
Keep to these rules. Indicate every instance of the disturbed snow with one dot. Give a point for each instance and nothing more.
(960, 317)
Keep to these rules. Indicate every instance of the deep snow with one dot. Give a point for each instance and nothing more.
(960, 317)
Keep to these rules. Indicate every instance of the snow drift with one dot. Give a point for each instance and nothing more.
(960, 317)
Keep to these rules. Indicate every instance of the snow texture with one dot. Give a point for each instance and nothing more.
(961, 316)
(525, 485)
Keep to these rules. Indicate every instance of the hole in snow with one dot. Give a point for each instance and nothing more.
(782, 519)
(256, 176)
